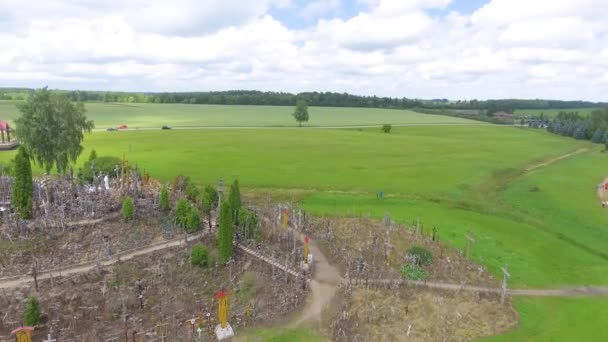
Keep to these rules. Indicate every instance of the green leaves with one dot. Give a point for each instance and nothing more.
(301, 112)
(225, 236)
(23, 188)
(235, 201)
(32, 314)
(128, 209)
(52, 129)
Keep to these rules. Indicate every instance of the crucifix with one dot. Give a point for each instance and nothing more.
(470, 240)
(506, 275)
(49, 339)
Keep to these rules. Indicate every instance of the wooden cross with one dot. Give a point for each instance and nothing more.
(504, 284)
(49, 339)
(470, 240)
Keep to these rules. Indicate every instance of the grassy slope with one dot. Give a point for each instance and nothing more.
(440, 174)
(181, 115)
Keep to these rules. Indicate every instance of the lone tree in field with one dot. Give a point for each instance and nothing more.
(52, 129)
(209, 201)
(23, 188)
(31, 316)
(301, 112)
(225, 235)
(235, 201)
(93, 155)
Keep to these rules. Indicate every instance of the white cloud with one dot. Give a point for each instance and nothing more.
(508, 48)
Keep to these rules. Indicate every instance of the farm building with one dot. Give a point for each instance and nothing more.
(503, 116)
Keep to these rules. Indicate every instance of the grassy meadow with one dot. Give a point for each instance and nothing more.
(147, 115)
(546, 225)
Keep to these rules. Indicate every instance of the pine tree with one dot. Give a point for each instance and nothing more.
(23, 188)
(164, 199)
(225, 236)
(235, 201)
(128, 209)
(31, 316)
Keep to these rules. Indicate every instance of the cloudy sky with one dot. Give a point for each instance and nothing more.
(458, 49)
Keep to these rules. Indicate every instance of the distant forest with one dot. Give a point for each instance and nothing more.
(319, 99)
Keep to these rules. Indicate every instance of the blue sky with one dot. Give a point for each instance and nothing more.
(457, 49)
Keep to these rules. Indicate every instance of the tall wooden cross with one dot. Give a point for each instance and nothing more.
(506, 275)
(49, 339)
(470, 241)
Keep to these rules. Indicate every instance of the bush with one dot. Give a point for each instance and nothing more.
(423, 256)
(192, 192)
(182, 208)
(105, 165)
(199, 255)
(412, 272)
(7, 168)
(225, 236)
(164, 199)
(387, 128)
(187, 217)
(180, 183)
(249, 221)
(193, 221)
(93, 155)
(23, 186)
(32, 315)
(128, 209)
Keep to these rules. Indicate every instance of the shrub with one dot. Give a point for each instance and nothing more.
(32, 315)
(181, 212)
(199, 255)
(193, 221)
(7, 168)
(128, 210)
(164, 199)
(23, 187)
(105, 165)
(249, 221)
(225, 236)
(386, 128)
(235, 201)
(192, 192)
(412, 272)
(423, 256)
(93, 155)
(180, 183)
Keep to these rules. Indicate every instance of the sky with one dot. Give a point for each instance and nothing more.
(455, 49)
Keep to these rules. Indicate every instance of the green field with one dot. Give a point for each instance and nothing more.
(551, 113)
(546, 225)
(146, 115)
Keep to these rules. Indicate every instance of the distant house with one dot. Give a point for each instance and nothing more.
(503, 116)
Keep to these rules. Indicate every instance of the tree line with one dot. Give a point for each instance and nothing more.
(571, 124)
(317, 99)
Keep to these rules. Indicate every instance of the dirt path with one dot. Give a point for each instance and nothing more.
(324, 285)
(556, 159)
(584, 291)
(16, 281)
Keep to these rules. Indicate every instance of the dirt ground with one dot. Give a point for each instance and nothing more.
(92, 306)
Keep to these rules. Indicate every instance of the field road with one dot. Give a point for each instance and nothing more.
(305, 127)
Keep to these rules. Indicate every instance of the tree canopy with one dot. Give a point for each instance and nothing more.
(23, 188)
(52, 129)
(301, 112)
